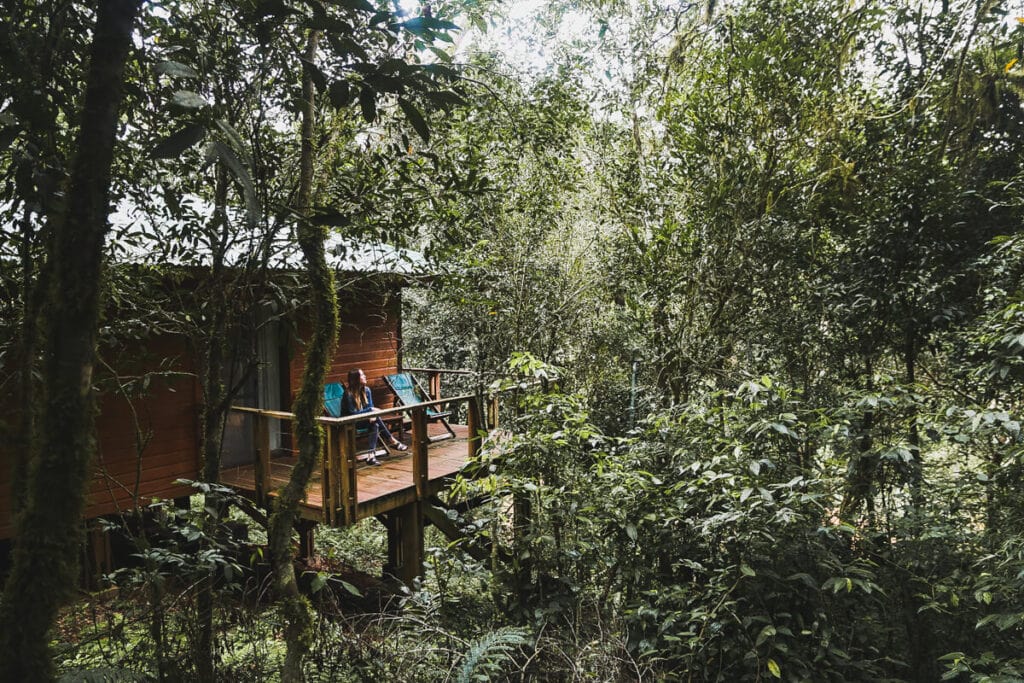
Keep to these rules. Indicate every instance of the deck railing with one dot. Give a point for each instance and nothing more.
(339, 482)
(434, 378)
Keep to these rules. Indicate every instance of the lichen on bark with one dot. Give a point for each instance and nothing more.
(308, 403)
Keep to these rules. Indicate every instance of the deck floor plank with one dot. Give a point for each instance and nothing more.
(378, 488)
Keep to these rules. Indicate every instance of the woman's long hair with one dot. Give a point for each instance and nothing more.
(357, 388)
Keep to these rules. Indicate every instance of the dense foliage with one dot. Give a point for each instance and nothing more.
(758, 261)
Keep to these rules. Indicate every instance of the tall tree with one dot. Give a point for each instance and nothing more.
(308, 404)
(45, 556)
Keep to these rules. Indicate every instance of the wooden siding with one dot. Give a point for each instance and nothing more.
(368, 338)
(167, 415)
(169, 412)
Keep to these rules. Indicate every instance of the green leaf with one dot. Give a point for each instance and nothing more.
(332, 217)
(368, 104)
(235, 139)
(274, 8)
(361, 5)
(339, 94)
(415, 119)
(631, 532)
(766, 633)
(240, 173)
(175, 70)
(8, 135)
(186, 99)
(425, 26)
(313, 72)
(350, 588)
(747, 571)
(176, 143)
(773, 667)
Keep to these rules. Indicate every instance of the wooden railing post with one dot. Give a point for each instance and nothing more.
(420, 441)
(329, 473)
(475, 427)
(492, 412)
(261, 435)
(346, 491)
(435, 384)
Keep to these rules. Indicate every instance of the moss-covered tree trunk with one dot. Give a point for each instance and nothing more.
(44, 569)
(308, 405)
(41, 129)
(212, 429)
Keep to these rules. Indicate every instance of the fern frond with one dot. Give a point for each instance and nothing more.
(103, 674)
(487, 656)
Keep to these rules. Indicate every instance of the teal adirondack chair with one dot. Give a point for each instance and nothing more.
(408, 392)
(334, 392)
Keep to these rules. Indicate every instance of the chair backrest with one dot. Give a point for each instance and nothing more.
(408, 391)
(405, 387)
(333, 393)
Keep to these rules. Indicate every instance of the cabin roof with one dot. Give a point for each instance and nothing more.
(137, 238)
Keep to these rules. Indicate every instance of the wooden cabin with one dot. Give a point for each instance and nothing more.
(149, 439)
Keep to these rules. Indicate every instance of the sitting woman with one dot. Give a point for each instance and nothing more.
(359, 399)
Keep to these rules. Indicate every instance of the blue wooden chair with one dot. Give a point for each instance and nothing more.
(334, 392)
(408, 392)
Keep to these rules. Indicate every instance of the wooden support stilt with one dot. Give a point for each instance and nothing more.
(492, 413)
(306, 529)
(420, 442)
(345, 487)
(405, 523)
(99, 559)
(261, 434)
(405, 542)
(475, 427)
(329, 473)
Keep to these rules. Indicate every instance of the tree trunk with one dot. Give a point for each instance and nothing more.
(212, 430)
(44, 567)
(308, 405)
(915, 469)
(860, 484)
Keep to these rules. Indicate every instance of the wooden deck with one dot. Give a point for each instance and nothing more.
(378, 489)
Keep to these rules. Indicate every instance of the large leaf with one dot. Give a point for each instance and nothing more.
(346, 46)
(175, 70)
(445, 98)
(368, 104)
(361, 5)
(274, 8)
(186, 99)
(176, 143)
(331, 217)
(415, 118)
(339, 94)
(8, 135)
(235, 139)
(240, 173)
(425, 26)
(313, 71)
